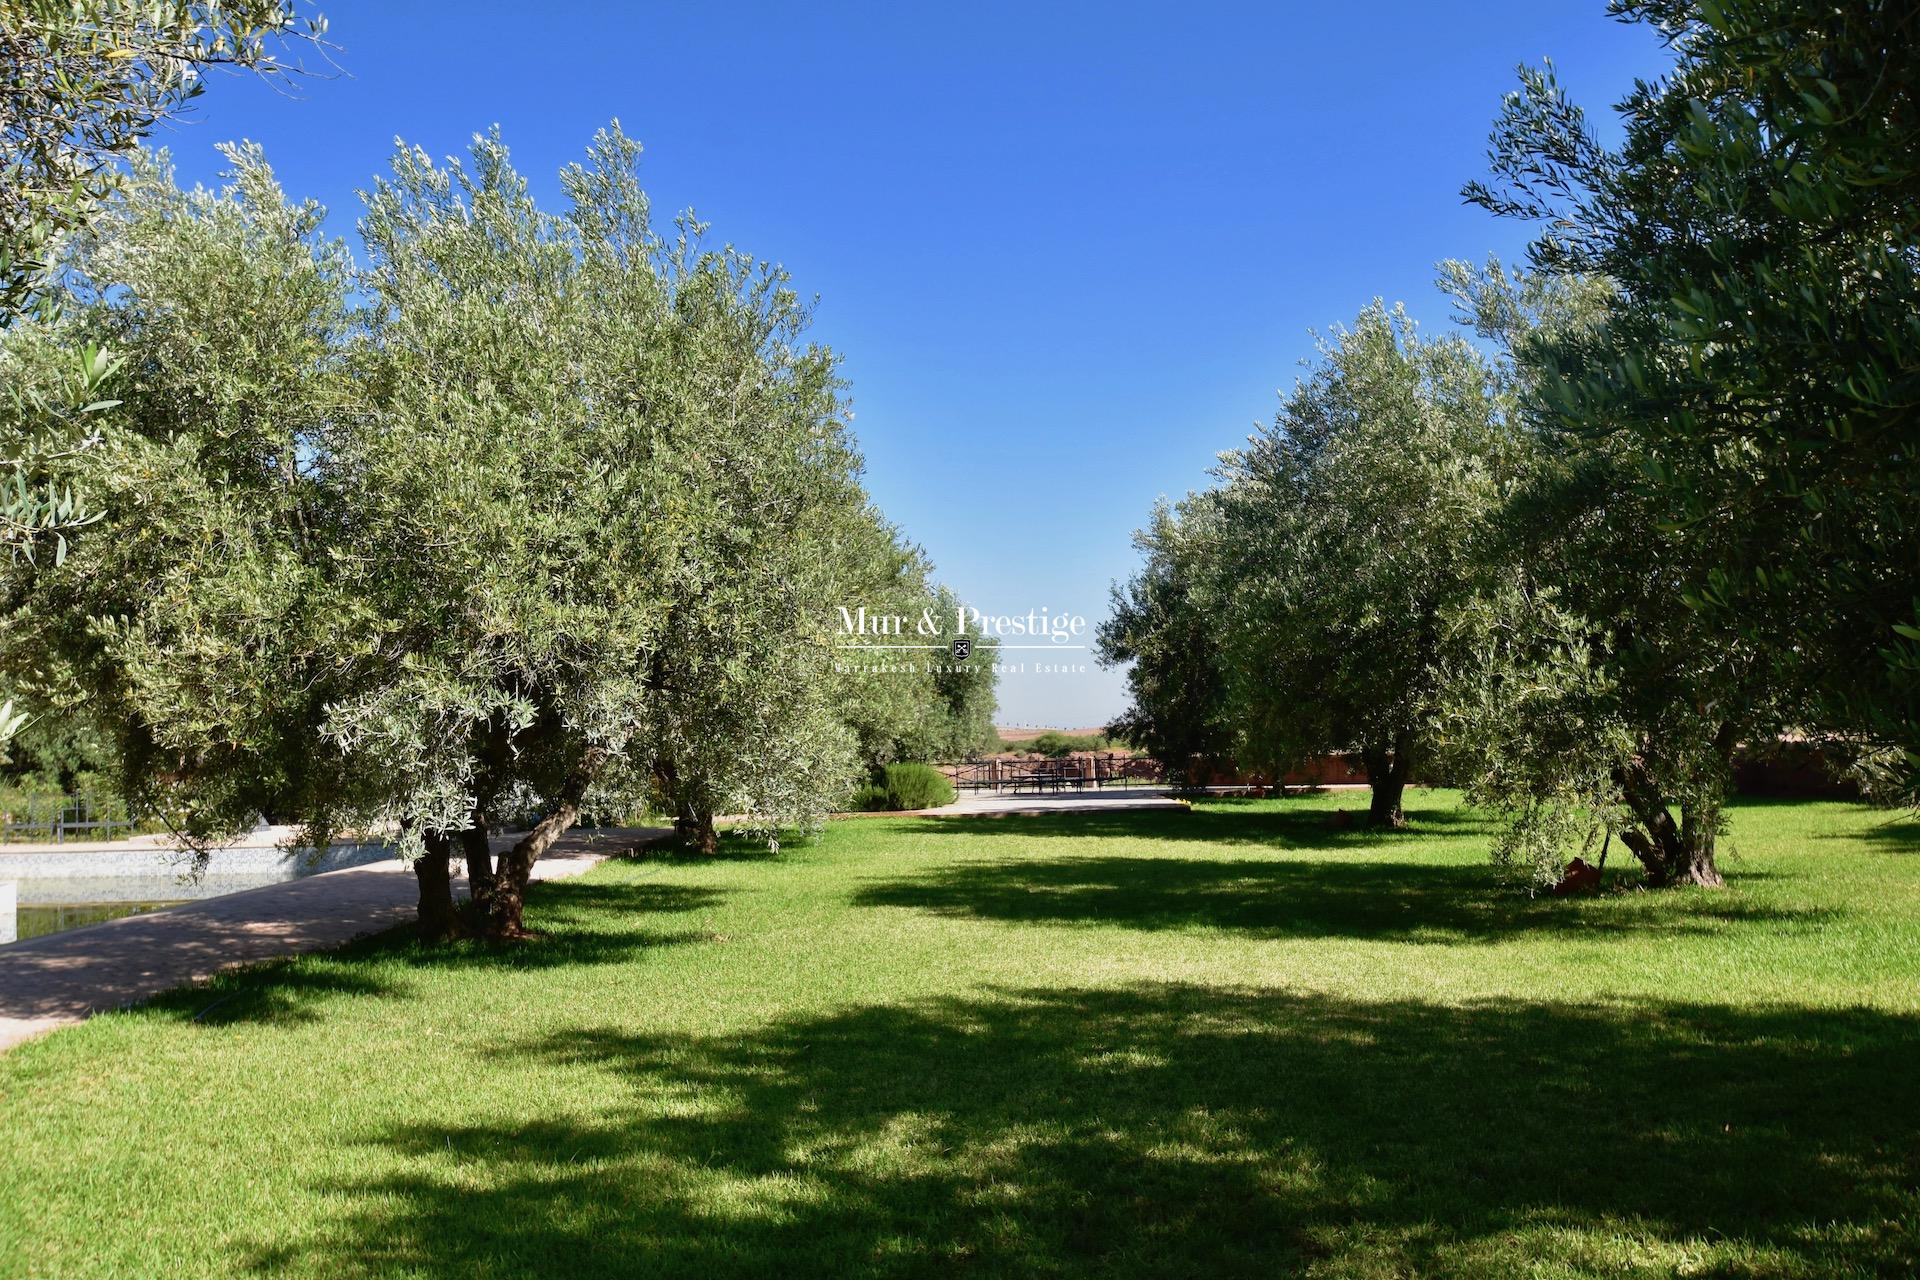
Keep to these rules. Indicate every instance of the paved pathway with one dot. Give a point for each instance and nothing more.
(989, 804)
(62, 978)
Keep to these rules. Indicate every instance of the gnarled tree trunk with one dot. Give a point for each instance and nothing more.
(696, 829)
(506, 902)
(434, 871)
(1387, 771)
(479, 853)
(1673, 853)
(1673, 856)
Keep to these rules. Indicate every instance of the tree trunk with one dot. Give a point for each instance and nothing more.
(434, 870)
(1387, 772)
(696, 830)
(514, 871)
(507, 900)
(1695, 864)
(1674, 856)
(692, 822)
(1673, 853)
(479, 853)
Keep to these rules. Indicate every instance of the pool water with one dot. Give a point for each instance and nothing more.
(54, 890)
(39, 919)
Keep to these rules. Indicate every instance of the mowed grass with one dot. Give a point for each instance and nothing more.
(1229, 1042)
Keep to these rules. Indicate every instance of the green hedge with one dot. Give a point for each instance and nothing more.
(905, 786)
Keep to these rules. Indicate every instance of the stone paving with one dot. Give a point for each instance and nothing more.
(62, 978)
(990, 804)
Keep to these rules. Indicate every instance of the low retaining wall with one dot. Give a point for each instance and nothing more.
(140, 874)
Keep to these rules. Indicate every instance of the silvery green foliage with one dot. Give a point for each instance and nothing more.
(1582, 696)
(1176, 681)
(1343, 534)
(85, 80)
(1759, 363)
(191, 616)
(884, 710)
(958, 715)
(924, 707)
(611, 457)
(49, 415)
(1523, 716)
(1528, 720)
(518, 512)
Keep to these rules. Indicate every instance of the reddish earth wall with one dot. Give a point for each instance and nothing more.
(1326, 771)
(1792, 769)
(1773, 769)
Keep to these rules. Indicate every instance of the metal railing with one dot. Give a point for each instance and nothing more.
(55, 818)
(1087, 769)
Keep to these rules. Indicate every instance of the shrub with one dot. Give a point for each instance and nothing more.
(917, 786)
(906, 786)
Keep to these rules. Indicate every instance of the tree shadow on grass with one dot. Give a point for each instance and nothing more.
(569, 920)
(1270, 898)
(560, 904)
(1223, 822)
(280, 993)
(1165, 1130)
(568, 915)
(1891, 836)
(734, 846)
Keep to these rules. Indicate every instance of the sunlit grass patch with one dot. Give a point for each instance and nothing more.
(1232, 1042)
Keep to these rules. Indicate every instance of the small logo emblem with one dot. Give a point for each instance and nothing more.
(962, 647)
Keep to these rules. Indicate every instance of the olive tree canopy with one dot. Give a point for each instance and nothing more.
(523, 514)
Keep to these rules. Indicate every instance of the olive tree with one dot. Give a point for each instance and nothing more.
(1346, 531)
(1300, 607)
(194, 622)
(1755, 376)
(809, 717)
(492, 526)
(1583, 699)
(954, 720)
(591, 480)
(880, 569)
(1176, 685)
(752, 721)
(84, 82)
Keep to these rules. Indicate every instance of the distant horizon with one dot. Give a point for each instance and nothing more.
(1066, 261)
(1002, 728)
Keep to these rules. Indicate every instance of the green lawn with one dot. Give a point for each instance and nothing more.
(1229, 1042)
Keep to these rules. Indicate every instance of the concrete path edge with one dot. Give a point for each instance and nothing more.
(64, 978)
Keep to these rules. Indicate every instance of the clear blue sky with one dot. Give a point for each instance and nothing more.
(1068, 252)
